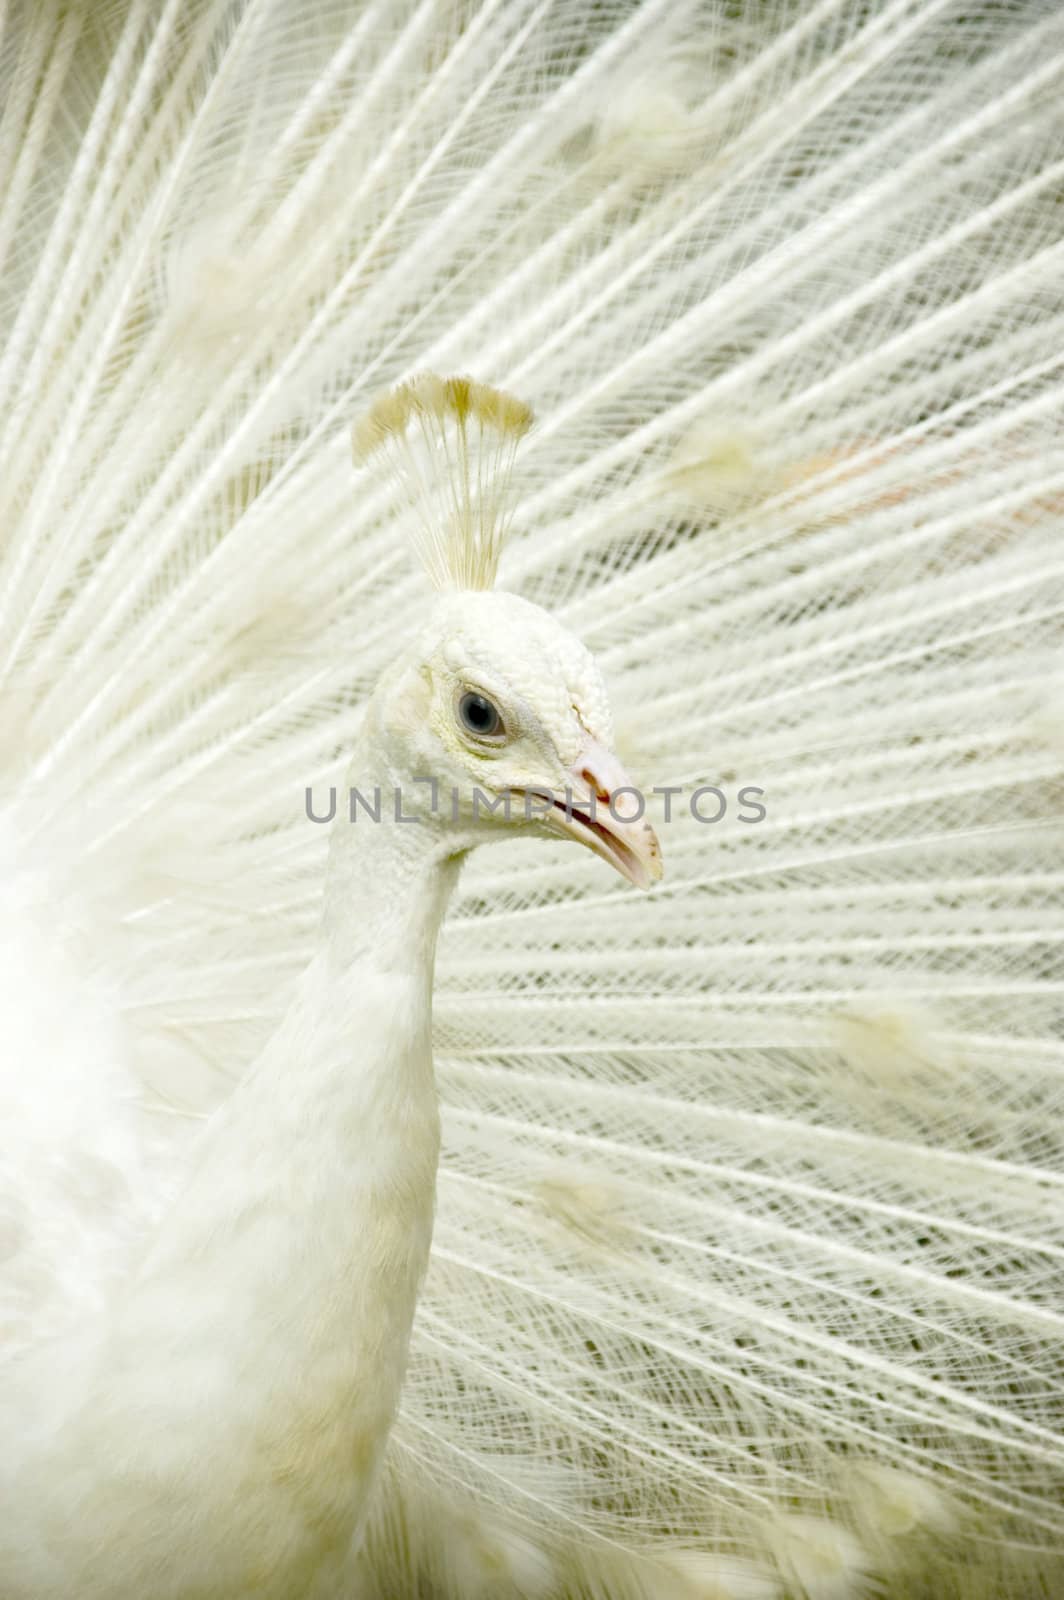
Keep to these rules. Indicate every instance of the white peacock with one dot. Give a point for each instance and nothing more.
(745, 1271)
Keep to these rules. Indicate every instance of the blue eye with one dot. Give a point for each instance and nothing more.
(480, 716)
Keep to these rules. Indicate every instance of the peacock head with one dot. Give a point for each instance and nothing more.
(499, 709)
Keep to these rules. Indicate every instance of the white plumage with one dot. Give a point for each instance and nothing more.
(746, 1268)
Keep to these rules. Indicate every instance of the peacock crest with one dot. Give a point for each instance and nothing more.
(451, 445)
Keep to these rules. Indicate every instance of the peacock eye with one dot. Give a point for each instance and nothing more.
(480, 716)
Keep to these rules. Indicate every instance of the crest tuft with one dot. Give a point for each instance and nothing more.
(451, 444)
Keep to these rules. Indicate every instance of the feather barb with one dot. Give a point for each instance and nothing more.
(451, 444)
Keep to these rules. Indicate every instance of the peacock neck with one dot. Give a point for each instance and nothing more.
(391, 869)
(265, 1336)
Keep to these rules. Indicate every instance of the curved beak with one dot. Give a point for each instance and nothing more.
(603, 809)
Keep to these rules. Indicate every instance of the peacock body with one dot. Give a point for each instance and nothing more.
(746, 1266)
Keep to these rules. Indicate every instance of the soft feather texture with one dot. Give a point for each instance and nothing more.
(747, 1266)
(451, 442)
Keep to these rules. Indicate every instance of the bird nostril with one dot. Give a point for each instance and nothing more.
(594, 785)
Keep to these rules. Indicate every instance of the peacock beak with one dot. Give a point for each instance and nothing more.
(605, 811)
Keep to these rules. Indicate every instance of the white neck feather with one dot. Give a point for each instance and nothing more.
(236, 1418)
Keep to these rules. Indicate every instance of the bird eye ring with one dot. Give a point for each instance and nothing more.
(480, 716)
